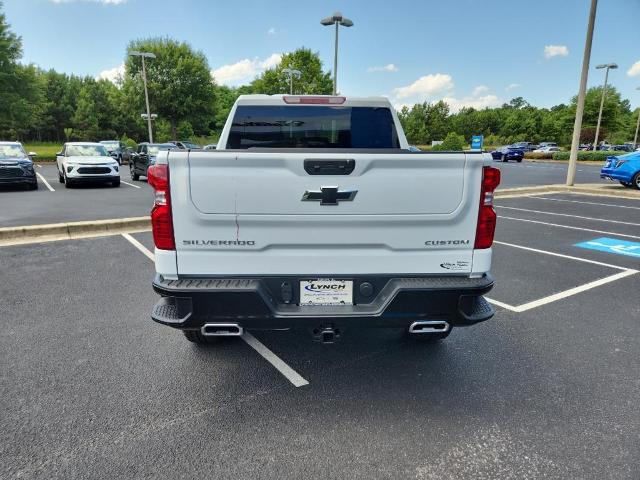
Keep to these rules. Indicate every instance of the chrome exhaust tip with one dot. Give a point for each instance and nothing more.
(429, 326)
(222, 330)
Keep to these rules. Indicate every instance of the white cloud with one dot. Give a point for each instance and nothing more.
(387, 68)
(634, 71)
(244, 70)
(551, 51)
(425, 87)
(271, 31)
(104, 2)
(476, 102)
(114, 75)
(479, 90)
(512, 86)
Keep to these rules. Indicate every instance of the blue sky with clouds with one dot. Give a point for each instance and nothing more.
(469, 52)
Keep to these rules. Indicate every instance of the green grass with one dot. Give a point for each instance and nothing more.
(46, 151)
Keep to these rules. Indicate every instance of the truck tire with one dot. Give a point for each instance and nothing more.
(132, 170)
(196, 337)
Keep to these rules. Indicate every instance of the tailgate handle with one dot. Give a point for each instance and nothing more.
(329, 167)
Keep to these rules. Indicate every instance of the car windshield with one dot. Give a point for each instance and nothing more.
(86, 151)
(12, 151)
(191, 145)
(266, 126)
(154, 149)
(110, 145)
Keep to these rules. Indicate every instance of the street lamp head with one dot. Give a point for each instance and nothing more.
(612, 66)
(336, 18)
(135, 53)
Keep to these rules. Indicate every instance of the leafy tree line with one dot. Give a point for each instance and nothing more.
(52, 106)
(519, 121)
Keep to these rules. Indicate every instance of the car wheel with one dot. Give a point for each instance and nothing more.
(67, 182)
(195, 336)
(504, 158)
(519, 160)
(33, 186)
(635, 183)
(119, 159)
(60, 177)
(132, 170)
(115, 183)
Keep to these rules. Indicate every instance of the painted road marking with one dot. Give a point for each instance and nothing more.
(274, 360)
(140, 247)
(612, 245)
(572, 216)
(561, 255)
(46, 184)
(586, 203)
(38, 165)
(294, 377)
(565, 293)
(571, 227)
(130, 184)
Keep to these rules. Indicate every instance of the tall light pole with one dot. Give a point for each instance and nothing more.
(577, 125)
(635, 137)
(608, 66)
(292, 73)
(144, 55)
(336, 19)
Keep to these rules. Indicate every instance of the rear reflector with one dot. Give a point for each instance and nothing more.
(308, 100)
(161, 221)
(486, 227)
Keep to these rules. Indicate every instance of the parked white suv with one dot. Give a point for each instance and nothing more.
(83, 162)
(314, 212)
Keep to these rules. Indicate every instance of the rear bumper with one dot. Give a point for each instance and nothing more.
(258, 303)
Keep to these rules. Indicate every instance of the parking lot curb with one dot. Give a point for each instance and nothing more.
(588, 189)
(71, 230)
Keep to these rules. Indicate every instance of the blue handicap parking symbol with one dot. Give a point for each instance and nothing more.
(612, 245)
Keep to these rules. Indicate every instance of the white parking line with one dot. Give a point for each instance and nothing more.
(130, 184)
(140, 247)
(570, 227)
(38, 165)
(565, 293)
(46, 184)
(567, 215)
(586, 203)
(274, 360)
(561, 255)
(291, 375)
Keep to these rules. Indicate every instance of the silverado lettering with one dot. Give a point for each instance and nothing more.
(239, 243)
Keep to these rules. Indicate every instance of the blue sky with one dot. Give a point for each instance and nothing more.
(469, 52)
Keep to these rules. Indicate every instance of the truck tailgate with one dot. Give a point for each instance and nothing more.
(244, 213)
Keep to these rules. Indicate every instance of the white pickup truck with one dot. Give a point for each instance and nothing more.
(314, 213)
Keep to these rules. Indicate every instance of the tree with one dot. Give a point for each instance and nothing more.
(20, 91)
(452, 142)
(179, 83)
(313, 80)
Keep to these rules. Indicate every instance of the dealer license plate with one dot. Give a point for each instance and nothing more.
(326, 292)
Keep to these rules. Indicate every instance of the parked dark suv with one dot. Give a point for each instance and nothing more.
(16, 167)
(116, 149)
(144, 157)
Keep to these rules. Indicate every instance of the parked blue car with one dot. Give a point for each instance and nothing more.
(625, 169)
(508, 153)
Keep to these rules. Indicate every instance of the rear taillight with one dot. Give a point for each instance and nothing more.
(487, 215)
(161, 221)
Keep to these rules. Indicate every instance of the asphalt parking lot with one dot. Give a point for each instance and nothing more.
(53, 203)
(549, 388)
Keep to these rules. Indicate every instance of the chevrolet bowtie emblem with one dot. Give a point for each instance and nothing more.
(329, 195)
